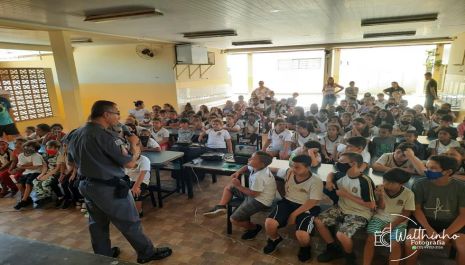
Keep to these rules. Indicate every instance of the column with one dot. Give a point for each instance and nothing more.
(67, 78)
(250, 83)
(438, 69)
(335, 64)
(328, 65)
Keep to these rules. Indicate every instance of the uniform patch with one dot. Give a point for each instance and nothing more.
(400, 202)
(354, 190)
(119, 142)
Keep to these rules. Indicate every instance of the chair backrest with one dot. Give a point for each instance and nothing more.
(245, 150)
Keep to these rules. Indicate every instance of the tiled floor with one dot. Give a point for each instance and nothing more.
(180, 224)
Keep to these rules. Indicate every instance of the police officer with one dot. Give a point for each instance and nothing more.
(100, 158)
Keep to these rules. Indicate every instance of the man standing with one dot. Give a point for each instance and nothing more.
(261, 92)
(100, 157)
(7, 124)
(431, 93)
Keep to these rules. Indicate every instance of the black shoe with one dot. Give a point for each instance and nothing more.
(160, 253)
(271, 245)
(66, 204)
(251, 234)
(305, 254)
(59, 203)
(141, 214)
(216, 211)
(332, 252)
(20, 205)
(115, 251)
(38, 204)
(350, 259)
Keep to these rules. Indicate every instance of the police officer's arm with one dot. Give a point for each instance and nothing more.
(111, 147)
(135, 151)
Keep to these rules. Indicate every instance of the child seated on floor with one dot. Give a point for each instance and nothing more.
(439, 208)
(47, 181)
(279, 141)
(218, 140)
(13, 170)
(384, 143)
(443, 143)
(139, 177)
(6, 157)
(258, 197)
(148, 144)
(160, 134)
(311, 149)
(303, 134)
(398, 159)
(404, 125)
(31, 162)
(411, 137)
(350, 214)
(392, 199)
(458, 153)
(185, 134)
(356, 144)
(30, 132)
(330, 142)
(298, 207)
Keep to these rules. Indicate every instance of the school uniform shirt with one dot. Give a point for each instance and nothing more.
(330, 145)
(300, 151)
(362, 187)
(441, 148)
(185, 135)
(277, 140)
(381, 104)
(217, 139)
(152, 143)
(365, 154)
(397, 127)
(263, 181)
(35, 159)
(300, 192)
(404, 200)
(440, 203)
(251, 128)
(233, 134)
(160, 134)
(387, 160)
(299, 140)
(143, 164)
(139, 114)
(322, 125)
(374, 131)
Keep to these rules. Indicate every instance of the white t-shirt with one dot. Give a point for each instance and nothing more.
(139, 114)
(277, 140)
(365, 154)
(374, 131)
(387, 159)
(263, 181)
(35, 159)
(159, 135)
(217, 139)
(310, 189)
(299, 140)
(233, 134)
(440, 148)
(330, 145)
(143, 164)
(322, 125)
(152, 143)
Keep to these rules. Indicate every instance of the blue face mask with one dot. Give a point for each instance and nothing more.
(432, 175)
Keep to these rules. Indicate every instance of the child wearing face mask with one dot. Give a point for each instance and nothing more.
(147, 121)
(350, 214)
(56, 133)
(439, 206)
(404, 125)
(147, 142)
(47, 181)
(31, 162)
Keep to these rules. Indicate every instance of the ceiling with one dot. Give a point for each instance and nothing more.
(285, 22)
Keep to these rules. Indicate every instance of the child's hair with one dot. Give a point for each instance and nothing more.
(447, 118)
(386, 126)
(162, 111)
(54, 144)
(306, 125)
(138, 103)
(397, 175)
(264, 157)
(33, 144)
(404, 146)
(446, 162)
(335, 125)
(371, 115)
(303, 159)
(173, 111)
(354, 157)
(32, 128)
(357, 141)
(57, 125)
(145, 130)
(448, 130)
(278, 121)
(347, 114)
(216, 120)
(313, 144)
(44, 127)
(366, 131)
(20, 139)
(156, 119)
(184, 120)
(414, 132)
(324, 111)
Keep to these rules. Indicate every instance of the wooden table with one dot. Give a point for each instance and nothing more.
(158, 161)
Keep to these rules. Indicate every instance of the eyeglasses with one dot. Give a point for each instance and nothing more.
(115, 112)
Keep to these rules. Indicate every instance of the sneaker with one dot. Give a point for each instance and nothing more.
(115, 251)
(59, 202)
(350, 259)
(304, 254)
(20, 205)
(251, 234)
(13, 193)
(38, 204)
(66, 204)
(160, 253)
(271, 245)
(86, 215)
(216, 211)
(141, 214)
(78, 205)
(332, 252)
(4, 192)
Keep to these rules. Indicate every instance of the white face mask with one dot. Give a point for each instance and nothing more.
(146, 120)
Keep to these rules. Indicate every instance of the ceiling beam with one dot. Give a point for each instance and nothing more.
(22, 46)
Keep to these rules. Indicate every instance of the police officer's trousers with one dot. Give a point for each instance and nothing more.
(104, 208)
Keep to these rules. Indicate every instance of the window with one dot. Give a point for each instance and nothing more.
(28, 92)
(299, 64)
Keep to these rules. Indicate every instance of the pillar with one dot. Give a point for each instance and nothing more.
(336, 57)
(438, 69)
(250, 83)
(67, 78)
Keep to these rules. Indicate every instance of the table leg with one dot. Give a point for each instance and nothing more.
(159, 191)
(188, 180)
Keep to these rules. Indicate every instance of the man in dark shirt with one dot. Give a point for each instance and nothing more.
(431, 93)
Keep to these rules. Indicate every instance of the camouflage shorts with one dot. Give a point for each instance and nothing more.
(43, 188)
(347, 224)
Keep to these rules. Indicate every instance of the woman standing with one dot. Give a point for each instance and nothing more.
(329, 92)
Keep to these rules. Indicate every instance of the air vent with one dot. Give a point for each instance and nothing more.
(399, 19)
(252, 42)
(210, 34)
(126, 13)
(81, 40)
(389, 34)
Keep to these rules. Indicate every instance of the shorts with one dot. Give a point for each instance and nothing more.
(303, 222)
(348, 224)
(28, 178)
(376, 225)
(143, 188)
(438, 226)
(9, 129)
(247, 208)
(429, 103)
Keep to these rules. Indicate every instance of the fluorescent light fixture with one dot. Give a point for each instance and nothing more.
(252, 42)
(399, 19)
(275, 11)
(81, 40)
(210, 34)
(128, 12)
(389, 34)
